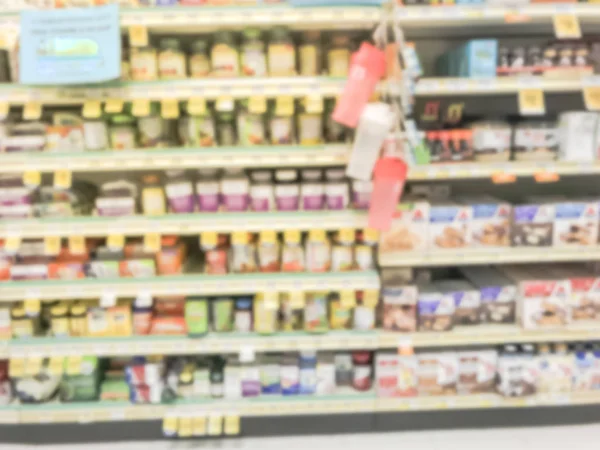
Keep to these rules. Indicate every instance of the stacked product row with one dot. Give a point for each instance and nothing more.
(180, 192)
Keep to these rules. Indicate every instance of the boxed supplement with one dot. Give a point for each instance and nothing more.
(409, 229)
(498, 293)
(449, 226)
(477, 372)
(490, 221)
(584, 301)
(517, 373)
(435, 309)
(395, 375)
(532, 224)
(399, 305)
(575, 224)
(325, 374)
(437, 373)
(466, 298)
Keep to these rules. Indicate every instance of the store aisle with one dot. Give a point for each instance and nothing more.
(548, 438)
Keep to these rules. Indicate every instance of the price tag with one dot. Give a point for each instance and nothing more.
(141, 107)
(531, 102)
(566, 26)
(151, 242)
(247, 353)
(55, 365)
(185, 427)
(545, 176)
(33, 366)
(239, 238)
(371, 297)
(52, 245)
(32, 111)
(32, 178)
(108, 299)
(196, 106)
(113, 106)
(257, 105)
(115, 241)
(170, 426)
(76, 245)
(591, 98)
(92, 109)
(503, 178)
(32, 307)
(347, 299)
(215, 425)
(62, 179)
(313, 104)
(169, 109)
(12, 244)
(232, 425)
(208, 239)
(316, 235)
(16, 367)
(516, 16)
(271, 300)
(268, 236)
(199, 426)
(225, 104)
(4, 108)
(284, 106)
(292, 236)
(297, 299)
(73, 365)
(138, 36)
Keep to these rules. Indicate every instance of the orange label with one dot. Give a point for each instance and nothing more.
(544, 176)
(503, 178)
(516, 17)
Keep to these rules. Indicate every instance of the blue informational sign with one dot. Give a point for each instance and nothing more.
(70, 46)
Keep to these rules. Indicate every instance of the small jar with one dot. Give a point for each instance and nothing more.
(338, 56)
(197, 131)
(310, 128)
(342, 252)
(287, 190)
(59, 320)
(312, 190)
(254, 62)
(361, 193)
(144, 64)
(362, 371)
(153, 196)
(22, 325)
(122, 132)
(268, 252)
(78, 322)
(310, 54)
(180, 192)
(281, 53)
(226, 129)
(153, 130)
(169, 259)
(242, 320)
(95, 134)
(250, 126)
(199, 60)
(224, 56)
(125, 65)
(262, 191)
(336, 189)
(208, 190)
(235, 189)
(282, 128)
(171, 60)
(292, 252)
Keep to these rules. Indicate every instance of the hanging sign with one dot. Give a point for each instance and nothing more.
(70, 46)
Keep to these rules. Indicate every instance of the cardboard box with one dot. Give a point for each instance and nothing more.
(449, 226)
(435, 310)
(490, 221)
(409, 229)
(498, 293)
(575, 224)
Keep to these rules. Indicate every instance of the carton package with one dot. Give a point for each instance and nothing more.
(395, 375)
(477, 372)
(498, 293)
(490, 221)
(466, 298)
(437, 373)
(449, 226)
(532, 224)
(575, 224)
(435, 310)
(578, 136)
(586, 369)
(584, 300)
(409, 229)
(399, 305)
(517, 373)
(555, 370)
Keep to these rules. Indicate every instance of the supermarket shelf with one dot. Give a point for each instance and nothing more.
(286, 406)
(179, 158)
(279, 342)
(200, 284)
(209, 88)
(458, 257)
(184, 224)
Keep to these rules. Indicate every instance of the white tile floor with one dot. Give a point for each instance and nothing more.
(584, 437)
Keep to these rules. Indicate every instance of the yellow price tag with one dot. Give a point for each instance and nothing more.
(371, 298)
(169, 109)
(370, 235)
(16, 367)
(76, 245)
(317, 235)
(185, 427)
(297, 299)
(225, 104)
(4, 108)
(271, 300)
(141, 107)
(32, 178)
(239, 238)
(313, 104)
(232, 425)
(566, 26)
(531, 102)
(33, 366)
(52, 245)
(215, 425)
(257, 105)
(113, 106)
(56, 365)
(63, 179)
(32, 111)
(347, 299)
(591, 98)
(346, 235)
(138, 36)
(196, 106)
(151, 242)
(208, 239)
(92, 109)
(199, 426)
(268, 236)
(170, 425)
(284, 106)
(291, 236)
(115, 241)
(12, 244)
(32, 307)
(73, 365)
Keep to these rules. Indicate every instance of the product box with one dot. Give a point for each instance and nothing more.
(575, 224)
(437, 373)
(517, 375)
(137, 268)
(102, 269)
(28, 272)
(409, 229)
(395, 375)
(578, 136)
(490, 221)
(477, 372)
(498, 293)
(66, 270)
(555, 372)
(399, 306)
(466, 298)
(585, 370)
(543, 299)
(325, 374)
(449, 226)
(435, 309)
(532, 225)
(584, 301)
(477, 58)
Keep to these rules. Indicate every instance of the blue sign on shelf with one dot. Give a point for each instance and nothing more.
(70, 46)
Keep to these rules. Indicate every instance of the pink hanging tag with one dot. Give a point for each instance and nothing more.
(366, 69)
(388, 184)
